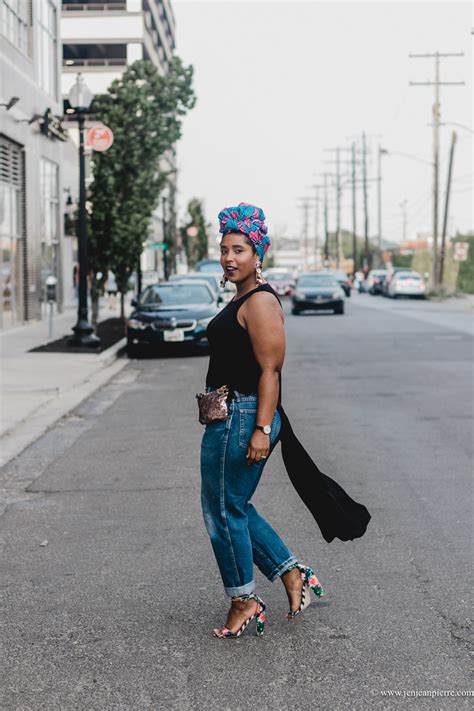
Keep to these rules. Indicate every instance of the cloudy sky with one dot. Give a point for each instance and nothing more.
(279, 82)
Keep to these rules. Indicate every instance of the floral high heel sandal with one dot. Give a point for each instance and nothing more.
(310, 582)
(258, 616)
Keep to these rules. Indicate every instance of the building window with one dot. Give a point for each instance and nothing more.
(15, 23)
(49, 187)
(48, 47)
(11, 185)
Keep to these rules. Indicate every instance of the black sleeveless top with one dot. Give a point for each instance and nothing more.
(232, 360)
(233, 363)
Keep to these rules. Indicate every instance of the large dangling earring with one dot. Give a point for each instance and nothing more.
(223, 281)
(258, 274)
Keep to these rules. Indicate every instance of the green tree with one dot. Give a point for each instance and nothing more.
(144, 111)
(194, 233)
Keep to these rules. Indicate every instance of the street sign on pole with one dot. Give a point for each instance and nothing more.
(460, 251)
(99, 138)
(157, 245)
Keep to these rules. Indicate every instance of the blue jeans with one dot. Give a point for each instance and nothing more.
(240, 537)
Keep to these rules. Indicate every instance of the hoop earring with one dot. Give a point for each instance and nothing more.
(223, 281)
(258, 274)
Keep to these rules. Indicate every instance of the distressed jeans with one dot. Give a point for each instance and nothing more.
(240, 537)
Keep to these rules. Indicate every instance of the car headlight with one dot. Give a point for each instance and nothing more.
(136, 324)
(338, 294)
(204, 321)
(298, 294)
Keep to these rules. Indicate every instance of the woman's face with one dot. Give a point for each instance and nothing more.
(238, 258)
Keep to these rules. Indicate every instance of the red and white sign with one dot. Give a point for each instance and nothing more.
(460, 251)
(99, 138)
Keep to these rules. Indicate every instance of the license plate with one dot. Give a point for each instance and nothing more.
(173, 336)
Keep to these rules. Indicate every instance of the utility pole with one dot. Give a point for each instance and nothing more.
(317, 247)
(317, 254)
(446, 209)
(366, 206)
(305, 208)
(437, 56)
(380, 152)
(326, 220)
(354, 210)
(337, 150)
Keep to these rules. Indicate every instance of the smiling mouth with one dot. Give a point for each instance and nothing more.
(230, 270)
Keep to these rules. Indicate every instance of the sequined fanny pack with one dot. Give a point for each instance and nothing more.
(213, 406)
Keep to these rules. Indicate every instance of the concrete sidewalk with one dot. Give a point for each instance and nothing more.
(38, 388)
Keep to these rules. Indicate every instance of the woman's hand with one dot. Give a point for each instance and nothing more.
(259, 447)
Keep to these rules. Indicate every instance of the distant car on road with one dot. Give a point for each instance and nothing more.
(317, 291)
(375, 281)
(407, 284)
(281, 280)
(390, 275)
(172, 313)
(341, 277)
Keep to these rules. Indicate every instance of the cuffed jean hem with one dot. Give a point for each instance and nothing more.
(241, 590)
(282, 568)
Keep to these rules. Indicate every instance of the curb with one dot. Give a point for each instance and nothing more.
(37, 423)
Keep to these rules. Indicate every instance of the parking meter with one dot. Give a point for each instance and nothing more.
(51, 297)
(51, 283)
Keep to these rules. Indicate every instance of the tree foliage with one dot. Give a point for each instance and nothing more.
(144, 111)
(195, 245)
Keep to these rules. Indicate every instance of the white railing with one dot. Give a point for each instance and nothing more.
(95, 7)
(94, 63)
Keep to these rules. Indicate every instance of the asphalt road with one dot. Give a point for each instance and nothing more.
(109, 586)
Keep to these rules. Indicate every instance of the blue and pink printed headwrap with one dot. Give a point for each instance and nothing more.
(249, 220)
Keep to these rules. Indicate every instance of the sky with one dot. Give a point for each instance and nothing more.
(279, 83)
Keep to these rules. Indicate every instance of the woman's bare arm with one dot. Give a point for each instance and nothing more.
(262, 316)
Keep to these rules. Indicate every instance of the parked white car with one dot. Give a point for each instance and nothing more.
(407, 284)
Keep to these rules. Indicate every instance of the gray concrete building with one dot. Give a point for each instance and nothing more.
(33, 149)
(100, 39)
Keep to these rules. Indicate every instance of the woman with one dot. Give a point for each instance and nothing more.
(247, 344)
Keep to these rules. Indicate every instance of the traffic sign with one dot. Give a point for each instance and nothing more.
(100, 138)
(157, 245)
(460, 251)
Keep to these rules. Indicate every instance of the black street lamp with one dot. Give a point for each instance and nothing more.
(80, 99)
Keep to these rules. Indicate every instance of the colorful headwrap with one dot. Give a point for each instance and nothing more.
(249, 220)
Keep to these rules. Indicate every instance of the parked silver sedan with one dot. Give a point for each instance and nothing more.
(407, 284)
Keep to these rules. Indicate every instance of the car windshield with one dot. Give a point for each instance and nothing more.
(279, 276)
(209, 267)
(210, 279)
(317, 280)
(177, 295)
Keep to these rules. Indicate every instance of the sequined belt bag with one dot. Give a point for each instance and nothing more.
(213, 406)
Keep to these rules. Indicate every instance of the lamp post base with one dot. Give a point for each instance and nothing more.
(84, 336)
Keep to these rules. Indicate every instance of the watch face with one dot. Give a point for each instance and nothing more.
(267, 429)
